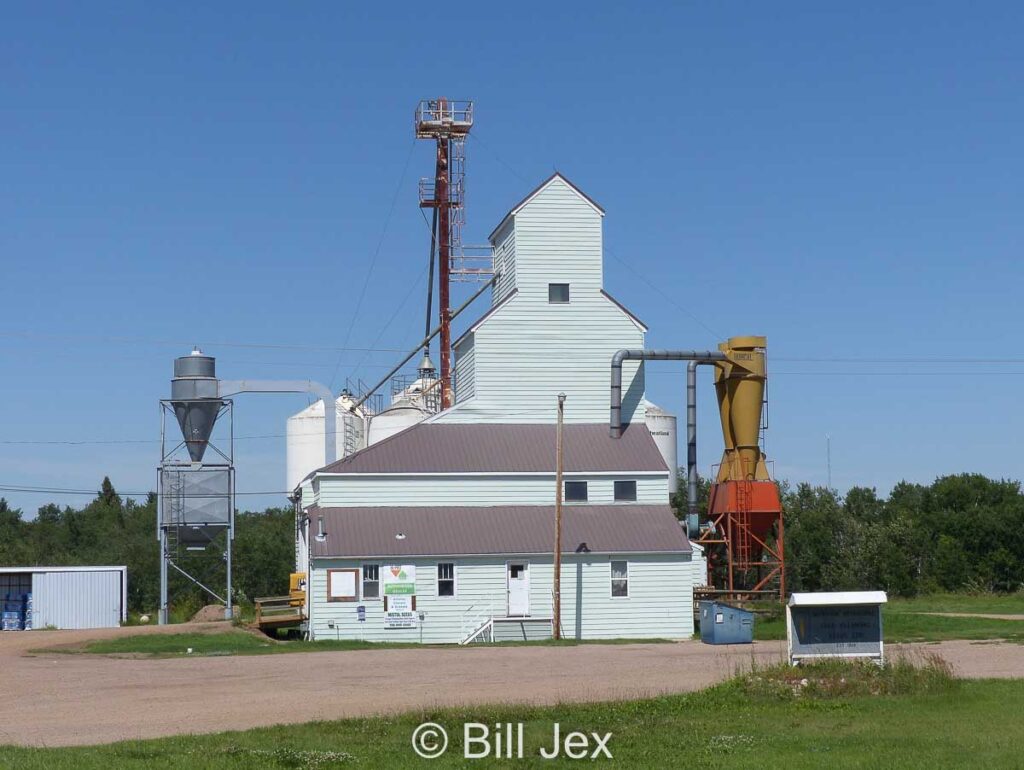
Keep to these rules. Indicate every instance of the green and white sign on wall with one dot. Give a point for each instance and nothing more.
(400, 596)
(400, 580)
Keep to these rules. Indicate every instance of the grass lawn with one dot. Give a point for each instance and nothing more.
(903, 621)
(238, 642)
(1004, 604)
(742, 723)
(233, 642)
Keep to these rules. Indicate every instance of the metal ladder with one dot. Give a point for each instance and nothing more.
(744, 495)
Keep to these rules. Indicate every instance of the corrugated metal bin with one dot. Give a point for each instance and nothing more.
(724, 624)
(63, 597)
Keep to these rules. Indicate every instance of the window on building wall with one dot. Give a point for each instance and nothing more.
(558, 293)
(575, 491)
(620, 578)
(625, 490)
(446, 579)
(371, 581)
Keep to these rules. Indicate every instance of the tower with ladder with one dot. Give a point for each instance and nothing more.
(447, 122)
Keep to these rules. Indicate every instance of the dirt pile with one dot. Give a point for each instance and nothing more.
(208, 614)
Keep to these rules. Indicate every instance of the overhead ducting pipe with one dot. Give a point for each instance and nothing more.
(692, 515)
(695, 358)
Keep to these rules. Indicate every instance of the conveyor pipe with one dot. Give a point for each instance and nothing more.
(695, 358)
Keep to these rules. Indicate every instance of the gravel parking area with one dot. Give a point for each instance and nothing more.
(54, 699)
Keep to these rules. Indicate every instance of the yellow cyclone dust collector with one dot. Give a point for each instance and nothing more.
(739, 384)
(744, 508)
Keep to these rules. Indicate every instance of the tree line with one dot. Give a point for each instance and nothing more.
(961, 533)
(109, 530)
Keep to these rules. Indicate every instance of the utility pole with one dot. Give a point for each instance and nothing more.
(557, 631)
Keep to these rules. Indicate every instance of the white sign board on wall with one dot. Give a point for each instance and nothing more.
(400, 612)
(341, 584)
(399, 579)
(399, 582)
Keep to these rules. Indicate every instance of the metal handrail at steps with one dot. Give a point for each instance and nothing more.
(476, 624)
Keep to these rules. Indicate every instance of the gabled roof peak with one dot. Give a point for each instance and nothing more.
(559, 176)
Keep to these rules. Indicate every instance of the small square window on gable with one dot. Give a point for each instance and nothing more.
(558, 293)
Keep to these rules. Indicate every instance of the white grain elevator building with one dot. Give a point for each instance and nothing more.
(460, 506)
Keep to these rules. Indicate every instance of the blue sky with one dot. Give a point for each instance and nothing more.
(844, 179)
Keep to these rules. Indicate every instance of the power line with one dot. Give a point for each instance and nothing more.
(896, 374)
(616, 257)
(475, 136)
(825, 373)
(394, 316)
(108, 339)
(373, 259)
(902, 360)
(21, 489)
(663, 294)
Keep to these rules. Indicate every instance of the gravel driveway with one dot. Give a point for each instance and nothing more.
(54, 699)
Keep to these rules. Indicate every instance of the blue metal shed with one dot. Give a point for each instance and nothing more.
(724, 624)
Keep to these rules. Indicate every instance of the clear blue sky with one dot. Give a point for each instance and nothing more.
(845, 178)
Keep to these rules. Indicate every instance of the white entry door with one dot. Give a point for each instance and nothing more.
(518, 588)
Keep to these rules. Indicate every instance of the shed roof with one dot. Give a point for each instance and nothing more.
(436, 447)
(833, 598)
(503, 529)
(89, 568)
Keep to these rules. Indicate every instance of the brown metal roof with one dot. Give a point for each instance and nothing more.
(503, 529)
(504, 448)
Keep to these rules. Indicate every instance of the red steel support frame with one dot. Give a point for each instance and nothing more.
(731, 522)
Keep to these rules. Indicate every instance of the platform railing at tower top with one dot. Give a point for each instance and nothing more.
(456, 111)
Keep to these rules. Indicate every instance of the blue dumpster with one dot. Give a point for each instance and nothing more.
(724, 624)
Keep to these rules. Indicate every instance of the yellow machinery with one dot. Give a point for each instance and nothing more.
(739, 384)
(274, 612)
(297, 589)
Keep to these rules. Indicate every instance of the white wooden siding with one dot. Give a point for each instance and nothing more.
(497, 489)
(660, 601)
(529, 350)
(306, 493)
(504, 246)
(557, 240)
(465, 380)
